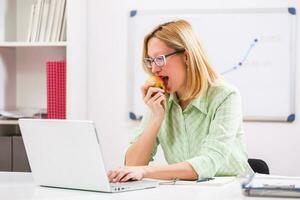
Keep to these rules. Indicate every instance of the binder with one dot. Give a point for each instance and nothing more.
(272, 186)
(56, 89)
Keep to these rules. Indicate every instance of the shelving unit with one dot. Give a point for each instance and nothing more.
(23, 64)
(33, 44)
(8, 122)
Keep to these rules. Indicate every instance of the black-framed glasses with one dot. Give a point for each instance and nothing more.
(161, 60)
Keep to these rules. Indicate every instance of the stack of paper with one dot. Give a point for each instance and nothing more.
(274, 186)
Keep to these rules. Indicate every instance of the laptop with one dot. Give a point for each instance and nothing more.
(67, 154)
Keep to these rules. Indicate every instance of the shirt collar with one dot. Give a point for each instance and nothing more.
(200, 102)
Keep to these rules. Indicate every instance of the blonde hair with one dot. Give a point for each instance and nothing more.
(180, 35)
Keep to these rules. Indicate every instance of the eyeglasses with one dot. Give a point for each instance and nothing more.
(161, 60)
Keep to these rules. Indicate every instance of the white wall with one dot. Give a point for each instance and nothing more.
(276, 143)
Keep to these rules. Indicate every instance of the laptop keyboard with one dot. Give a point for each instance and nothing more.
(129, 183)
(122, 186)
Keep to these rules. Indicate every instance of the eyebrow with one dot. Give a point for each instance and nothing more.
(175, 52)
(154, 56)
(157, 55)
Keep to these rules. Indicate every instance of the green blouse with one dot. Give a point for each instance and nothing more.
(207, 134)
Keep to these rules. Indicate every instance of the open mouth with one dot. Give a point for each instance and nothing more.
(165, 80)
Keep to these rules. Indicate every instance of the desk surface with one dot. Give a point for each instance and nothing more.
(20, 186)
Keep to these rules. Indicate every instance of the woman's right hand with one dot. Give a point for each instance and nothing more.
(155, 99)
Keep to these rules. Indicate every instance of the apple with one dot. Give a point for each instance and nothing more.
(158, 82)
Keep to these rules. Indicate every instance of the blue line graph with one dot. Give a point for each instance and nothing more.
(244, 58)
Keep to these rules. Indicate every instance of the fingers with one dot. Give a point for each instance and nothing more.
(146, 89)
(153, 94)
(125, 174)
(157, 100)
(146, 86)
(162, 101)
(128, 177)
(153, 98)
(117, 175)
(121, 175)
(111, 175)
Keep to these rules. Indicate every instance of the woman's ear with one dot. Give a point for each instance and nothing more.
(186, 58)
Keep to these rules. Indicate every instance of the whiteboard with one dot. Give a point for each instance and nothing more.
(254, 49)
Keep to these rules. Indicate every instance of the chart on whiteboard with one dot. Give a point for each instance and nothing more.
(253, 49)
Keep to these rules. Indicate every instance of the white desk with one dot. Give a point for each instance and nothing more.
(20, 186)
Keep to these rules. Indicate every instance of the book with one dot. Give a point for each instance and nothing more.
(60, 19)
(50, 71)
(63, 36)
(61, 89)
(55, 24)
(63, 33)
(29, 34)
(44, 20)
(35, 21)
(272, 186)
(50, 21)
(41, 6)
(56, 89)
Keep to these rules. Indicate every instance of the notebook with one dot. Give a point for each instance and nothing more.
(67, 154)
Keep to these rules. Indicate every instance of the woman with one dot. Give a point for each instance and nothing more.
(197, 119)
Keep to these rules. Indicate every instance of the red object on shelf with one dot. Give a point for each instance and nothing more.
(56, 89)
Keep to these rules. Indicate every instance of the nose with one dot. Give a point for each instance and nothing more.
(155, 68)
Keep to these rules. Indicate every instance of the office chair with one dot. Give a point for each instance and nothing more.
(259, 166)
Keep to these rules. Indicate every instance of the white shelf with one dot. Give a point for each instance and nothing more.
(8, 122)
(33, 44)
(22, 63)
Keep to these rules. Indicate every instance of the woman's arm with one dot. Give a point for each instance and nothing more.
(182, 171)
(139, 153)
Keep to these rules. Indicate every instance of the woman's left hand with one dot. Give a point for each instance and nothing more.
(123, 174)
